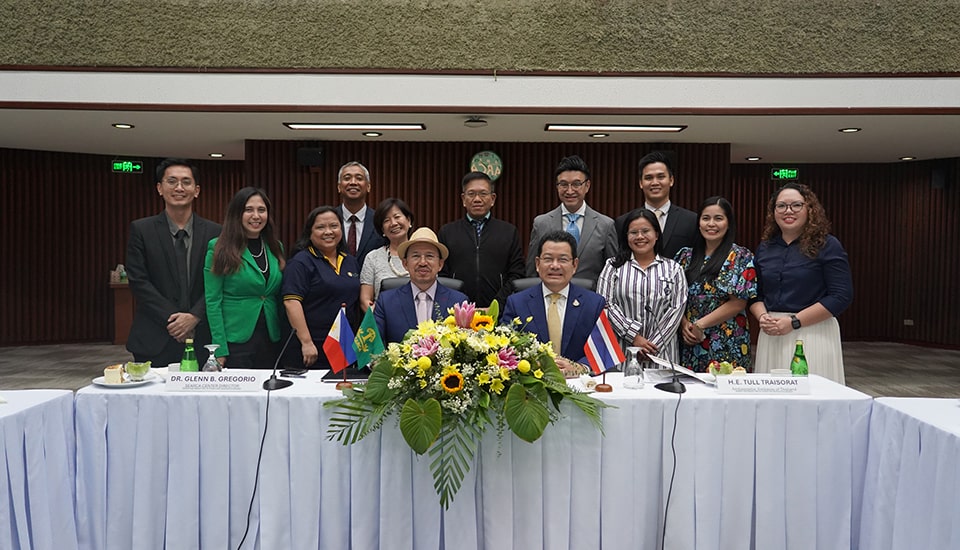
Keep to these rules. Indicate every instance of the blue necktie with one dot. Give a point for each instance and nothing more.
(572, 226)
(478, 224)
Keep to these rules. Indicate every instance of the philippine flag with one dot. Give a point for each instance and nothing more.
(602, 349)
(339, 343)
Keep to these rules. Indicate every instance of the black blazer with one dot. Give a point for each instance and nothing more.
(370, 239)
(680, 231)
(151, 270)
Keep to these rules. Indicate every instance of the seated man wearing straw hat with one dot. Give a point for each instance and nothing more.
(401, 309)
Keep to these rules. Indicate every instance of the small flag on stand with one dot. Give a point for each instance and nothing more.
(339, 343)
(367, 342)
(602, 349)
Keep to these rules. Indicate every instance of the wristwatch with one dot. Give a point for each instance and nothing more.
(794, 322)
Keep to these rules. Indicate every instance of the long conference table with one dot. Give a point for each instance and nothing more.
(37, 470)
(159, 469)
(913, 475)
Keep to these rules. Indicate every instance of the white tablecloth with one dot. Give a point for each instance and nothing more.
(37, 464)
(913, 475)
(754, 472)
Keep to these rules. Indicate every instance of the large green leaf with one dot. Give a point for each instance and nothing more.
(420, 423)
(377, 388)
(526, 415)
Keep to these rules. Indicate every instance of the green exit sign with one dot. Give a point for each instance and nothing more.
(127, 166)
(783, 174)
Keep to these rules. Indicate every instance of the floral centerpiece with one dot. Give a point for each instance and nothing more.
(450, 380)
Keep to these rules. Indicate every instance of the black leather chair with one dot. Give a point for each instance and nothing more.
(525, 283)
(395, 282)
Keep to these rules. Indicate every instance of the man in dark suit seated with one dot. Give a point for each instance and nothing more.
(165, 268)
(401, 309)
(558, 312)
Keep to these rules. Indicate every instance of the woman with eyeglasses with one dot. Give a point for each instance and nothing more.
(720, 278)
(804, 283)
(241, 278)
(646, 293)
(319, 278)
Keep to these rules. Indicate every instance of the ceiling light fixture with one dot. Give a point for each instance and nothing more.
(363, 127)
(611, 128)
(849, 130)
(599, 135)
(216, 155)
(753, 159)
(372, 134)
(123, 126)
(475, 122)
(908, 158)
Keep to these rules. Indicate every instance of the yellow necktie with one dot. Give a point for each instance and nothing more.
(553, 322)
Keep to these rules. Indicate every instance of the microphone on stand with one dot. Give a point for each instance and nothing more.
(274, 383)
(675, 385)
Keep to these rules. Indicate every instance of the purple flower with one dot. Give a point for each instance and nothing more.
(426, 347)
(508, 358)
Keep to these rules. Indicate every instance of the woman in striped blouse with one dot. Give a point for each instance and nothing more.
(646, 293)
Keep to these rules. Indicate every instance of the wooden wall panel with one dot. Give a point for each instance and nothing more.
(65, 218)
(64, 223)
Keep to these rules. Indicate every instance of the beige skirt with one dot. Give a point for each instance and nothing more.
(821, 346)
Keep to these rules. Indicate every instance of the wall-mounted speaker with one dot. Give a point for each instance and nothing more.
(310, 156)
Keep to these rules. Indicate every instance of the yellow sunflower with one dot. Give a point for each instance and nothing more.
(452, 382)
(481, 322)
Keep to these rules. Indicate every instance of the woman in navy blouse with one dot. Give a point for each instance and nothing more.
(804, 283)
(320, 277)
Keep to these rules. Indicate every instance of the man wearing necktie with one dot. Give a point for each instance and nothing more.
(594, 233)
(359, 235)
(679, 225)
(485, 252)
(559, 312)
(403, 308)
(165, 269)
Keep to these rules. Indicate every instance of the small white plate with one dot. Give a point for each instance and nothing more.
(577, 384)
(150, 377)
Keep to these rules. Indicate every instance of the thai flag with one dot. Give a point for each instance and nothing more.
(339, 343)
(602, 349)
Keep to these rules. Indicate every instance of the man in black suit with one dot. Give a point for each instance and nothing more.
(359, 234)
(679, 225)
(165, 267)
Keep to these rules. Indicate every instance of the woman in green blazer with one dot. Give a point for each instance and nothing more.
(242, 277)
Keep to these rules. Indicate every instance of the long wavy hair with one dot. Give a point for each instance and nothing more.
(814, 234)
(625, 253)
(232, 242)
(696, 269)
(304, 242)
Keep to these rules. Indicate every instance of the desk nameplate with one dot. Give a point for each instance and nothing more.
(763, 384)
(242, 381)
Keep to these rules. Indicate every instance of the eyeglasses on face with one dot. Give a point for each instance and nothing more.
(428, 257)
(782, 207)
(562, 260)
(474, 194)
(577, 184)
(174, 182)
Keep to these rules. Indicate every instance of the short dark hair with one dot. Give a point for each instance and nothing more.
(303, 241)
(666, 157)
(558, 236)
(473, 176)
(624, 254)
(572, 163)
(380, 215)
(167, 163)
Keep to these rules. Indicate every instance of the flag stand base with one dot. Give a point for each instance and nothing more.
(603, 388)
(344, 384)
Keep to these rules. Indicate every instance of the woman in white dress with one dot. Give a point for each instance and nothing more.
(395, 221)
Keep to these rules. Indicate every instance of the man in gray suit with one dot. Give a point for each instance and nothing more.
(595, 233)
(165, 267)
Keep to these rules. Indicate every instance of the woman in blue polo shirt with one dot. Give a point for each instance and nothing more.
(804, 283)
(319, 277)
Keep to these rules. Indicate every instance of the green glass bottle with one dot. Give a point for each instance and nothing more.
(798, 365)
(189, 361)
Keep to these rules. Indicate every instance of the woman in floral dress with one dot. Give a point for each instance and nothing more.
(721, 279)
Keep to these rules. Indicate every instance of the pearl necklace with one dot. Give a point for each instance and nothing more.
(403, 272)
(266, 261)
